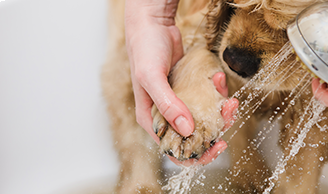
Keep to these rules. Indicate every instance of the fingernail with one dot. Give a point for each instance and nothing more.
(183, 126)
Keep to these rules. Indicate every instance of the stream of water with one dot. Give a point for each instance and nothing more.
(258, 85)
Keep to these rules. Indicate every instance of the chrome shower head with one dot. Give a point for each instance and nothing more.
(308, 34)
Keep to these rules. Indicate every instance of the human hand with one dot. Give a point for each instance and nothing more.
(227, 112)
(154, 45)
(320, 91)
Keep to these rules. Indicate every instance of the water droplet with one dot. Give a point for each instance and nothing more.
(321, 158)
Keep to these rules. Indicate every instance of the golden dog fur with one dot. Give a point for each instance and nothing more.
(257, 27)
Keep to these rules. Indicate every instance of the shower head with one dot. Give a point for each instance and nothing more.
(308, 34)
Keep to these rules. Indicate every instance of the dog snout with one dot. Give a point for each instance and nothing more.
(242, 61)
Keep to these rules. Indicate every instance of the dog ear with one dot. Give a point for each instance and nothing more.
(219, 14)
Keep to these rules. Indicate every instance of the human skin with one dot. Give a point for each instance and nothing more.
(154, 46)
(320, 91)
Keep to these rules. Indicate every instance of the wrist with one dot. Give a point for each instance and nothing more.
(161, 11)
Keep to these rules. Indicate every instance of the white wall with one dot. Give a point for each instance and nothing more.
(53, 125)
(54, 131)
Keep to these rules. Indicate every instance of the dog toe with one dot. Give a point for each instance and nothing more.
(193, 146)
(194, 155)
(171, 143)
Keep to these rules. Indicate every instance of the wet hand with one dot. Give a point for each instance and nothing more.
(154, 45)
(320, 91)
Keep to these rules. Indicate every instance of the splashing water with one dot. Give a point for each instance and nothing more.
(253, 96)
(315, 109)
(180, 183)
(263, 80)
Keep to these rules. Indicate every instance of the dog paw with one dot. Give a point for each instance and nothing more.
(191, 81)
(207, 129)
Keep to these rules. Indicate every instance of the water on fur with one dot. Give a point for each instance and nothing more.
(183, 182)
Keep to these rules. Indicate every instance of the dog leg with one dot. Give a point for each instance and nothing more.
(140, 162)
(192, 83)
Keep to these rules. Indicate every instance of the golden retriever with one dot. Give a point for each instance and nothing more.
(238, 37)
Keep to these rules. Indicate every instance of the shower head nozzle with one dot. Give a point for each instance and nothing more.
(308, 34)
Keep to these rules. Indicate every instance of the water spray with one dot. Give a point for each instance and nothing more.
(308, 34)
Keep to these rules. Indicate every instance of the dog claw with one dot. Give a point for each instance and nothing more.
(187, 153)
(194, 155)
(187, 149)
(159, 123)
(176, 150)
(174, 153)
(161, 131)
(169, 152)
(208, 143)
(182, 148)
(159, 127)
(213, 142)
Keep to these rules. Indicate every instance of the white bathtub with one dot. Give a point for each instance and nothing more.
(53, 124)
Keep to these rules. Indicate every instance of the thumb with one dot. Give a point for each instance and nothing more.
(170, 106)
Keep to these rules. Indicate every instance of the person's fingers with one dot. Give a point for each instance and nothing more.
(143, 110)
(320, 91)
(212, 153)
(230, 106)
(151, 72)
(219, 80)
(169, 105)
(228, 111)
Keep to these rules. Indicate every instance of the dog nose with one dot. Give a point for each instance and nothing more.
(242, 61)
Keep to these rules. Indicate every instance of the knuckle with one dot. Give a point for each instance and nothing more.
(163, 108)
(139, 75)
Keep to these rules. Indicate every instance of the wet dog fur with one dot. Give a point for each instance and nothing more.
(234, 32)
